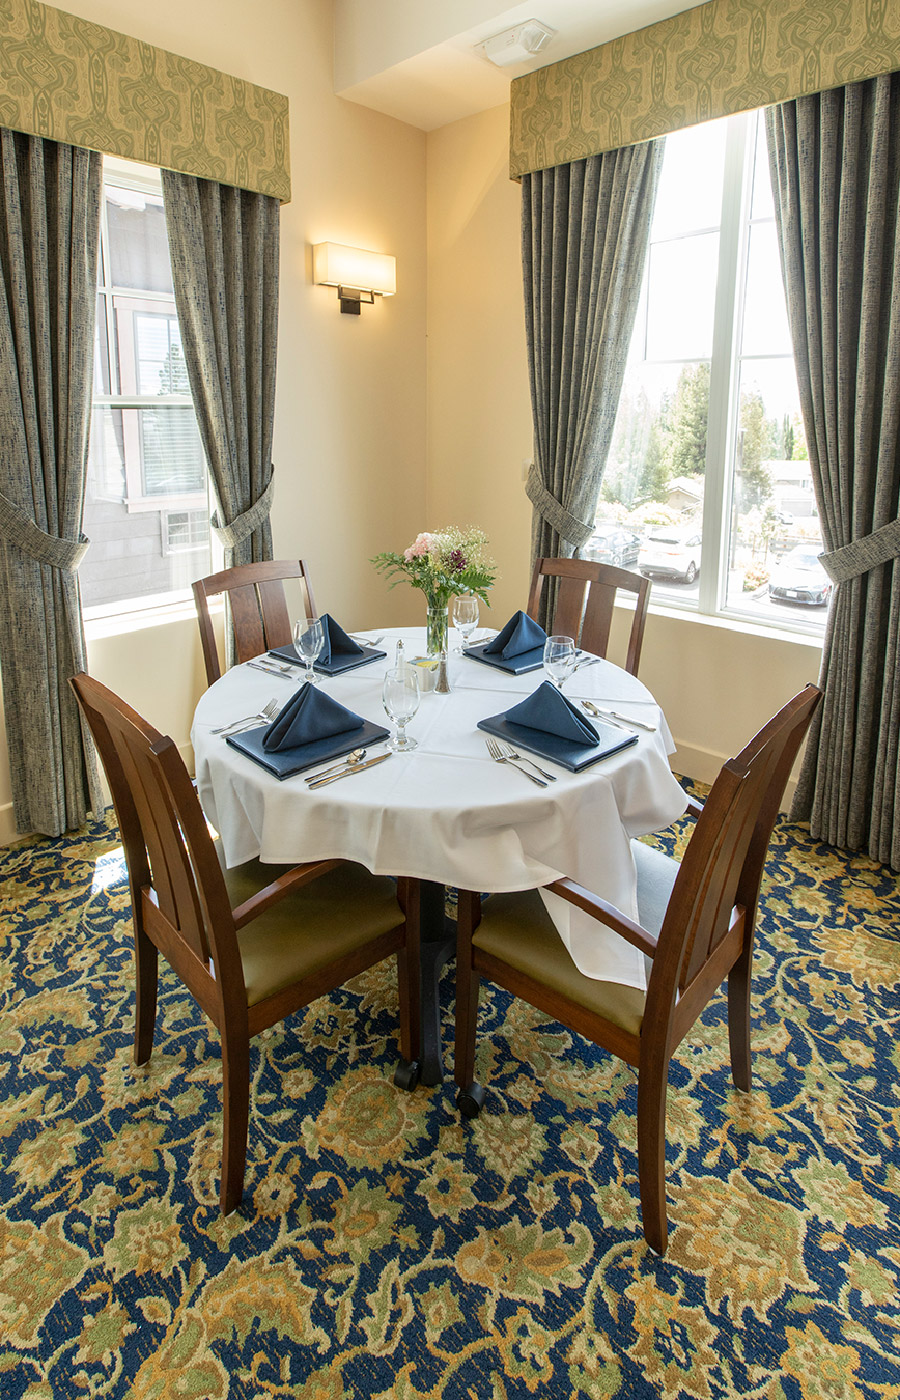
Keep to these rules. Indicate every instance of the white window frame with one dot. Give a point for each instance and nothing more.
(123, 307)
(146, 609)
(725, 362)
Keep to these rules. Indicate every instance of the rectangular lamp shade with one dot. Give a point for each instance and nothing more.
(335, 265)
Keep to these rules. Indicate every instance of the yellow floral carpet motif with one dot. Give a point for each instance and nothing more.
(386, 1250)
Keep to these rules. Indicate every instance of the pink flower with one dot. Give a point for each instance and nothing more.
(421, 545)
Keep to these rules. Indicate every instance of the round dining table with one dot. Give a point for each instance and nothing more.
(447, 813)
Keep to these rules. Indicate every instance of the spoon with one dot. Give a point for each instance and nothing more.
(349, 759)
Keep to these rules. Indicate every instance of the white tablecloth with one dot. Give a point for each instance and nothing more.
(446, 812)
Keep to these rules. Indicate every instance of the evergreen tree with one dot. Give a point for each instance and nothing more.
(685, 447)
(654, 476)
(800, 451)
(757, 444)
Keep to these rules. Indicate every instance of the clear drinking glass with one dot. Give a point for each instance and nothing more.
(465, 617)
(309, 639)
(401, 701)
(559, 658)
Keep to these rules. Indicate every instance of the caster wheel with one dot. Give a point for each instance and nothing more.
(470, 1101)
(406, 1075)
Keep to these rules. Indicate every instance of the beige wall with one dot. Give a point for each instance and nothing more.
(352, 472)
(479, 410)
(716, 683)
(350, 413)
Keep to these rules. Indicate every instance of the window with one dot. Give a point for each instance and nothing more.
(708, 479)
(147, 497)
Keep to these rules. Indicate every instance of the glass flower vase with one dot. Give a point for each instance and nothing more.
(436, 634)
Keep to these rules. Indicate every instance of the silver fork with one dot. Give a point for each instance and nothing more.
(498, 756)
(268, 712)
(509, 752)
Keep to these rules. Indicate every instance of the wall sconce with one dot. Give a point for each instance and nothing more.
(358, 275)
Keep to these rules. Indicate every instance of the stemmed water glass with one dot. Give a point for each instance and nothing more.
(401, 701)
(559, 658)
(465, 617)
(309, 639)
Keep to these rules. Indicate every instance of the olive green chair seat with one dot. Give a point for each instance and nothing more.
(251, 944)
(695, 927)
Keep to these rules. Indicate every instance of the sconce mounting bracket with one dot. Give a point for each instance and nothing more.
(352, 297)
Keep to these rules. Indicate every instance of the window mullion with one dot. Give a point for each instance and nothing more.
(721, 374)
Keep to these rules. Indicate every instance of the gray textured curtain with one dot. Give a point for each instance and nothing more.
(223, 244)
(835, 162)
(49, 237)
(585, 230)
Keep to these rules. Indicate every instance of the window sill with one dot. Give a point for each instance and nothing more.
(118, 623)
(742, 626)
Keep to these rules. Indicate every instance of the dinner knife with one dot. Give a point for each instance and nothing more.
(269, 670)
(615, 716)
(348, 772)
(627, 719)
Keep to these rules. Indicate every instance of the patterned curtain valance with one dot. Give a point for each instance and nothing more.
(723, 57)
(67, 79)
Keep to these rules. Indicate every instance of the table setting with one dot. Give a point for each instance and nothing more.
(505, 777)
(450, 809)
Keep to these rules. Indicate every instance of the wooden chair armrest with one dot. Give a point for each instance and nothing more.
(271, 894)
(608, 914)
(694, 808)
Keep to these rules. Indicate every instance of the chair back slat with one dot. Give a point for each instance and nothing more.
(584, 604)
(723, 863)
(259, 613)
(172, 875)
(167, 842)
(276, 618)
(247, 623)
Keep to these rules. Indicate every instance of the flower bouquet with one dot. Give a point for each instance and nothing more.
(442, 564)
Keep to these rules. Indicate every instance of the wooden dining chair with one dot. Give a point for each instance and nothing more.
(695, 924)
(259, 611)
(251, 944)
(585, 596)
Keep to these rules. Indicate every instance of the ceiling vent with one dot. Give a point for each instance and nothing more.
(517, 45)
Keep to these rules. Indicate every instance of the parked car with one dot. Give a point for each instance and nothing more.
(800, 578)
(613, 544)
(673, 553)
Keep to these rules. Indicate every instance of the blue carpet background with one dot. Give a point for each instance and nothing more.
(387, 1249)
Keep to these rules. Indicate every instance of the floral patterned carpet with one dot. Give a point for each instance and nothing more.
(385, 1248)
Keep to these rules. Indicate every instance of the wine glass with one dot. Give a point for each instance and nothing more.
(465, 617)
(401, 700)
(309, 639)
(559, 658)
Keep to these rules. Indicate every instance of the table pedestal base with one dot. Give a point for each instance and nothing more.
(438, 934)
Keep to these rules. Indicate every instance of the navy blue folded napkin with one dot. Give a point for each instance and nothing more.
(548, 724)
(548, 710)
(520, 634)
(309, 716)
(339, 652)
(337, 643)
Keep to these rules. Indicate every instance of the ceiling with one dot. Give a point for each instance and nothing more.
(418, 60)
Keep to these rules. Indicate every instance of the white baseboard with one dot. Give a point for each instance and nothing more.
(703, 765)
(9, 833)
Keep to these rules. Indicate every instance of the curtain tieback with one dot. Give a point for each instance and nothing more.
(242, 527)
(860, 556)
(557, 517)
(17, 528)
